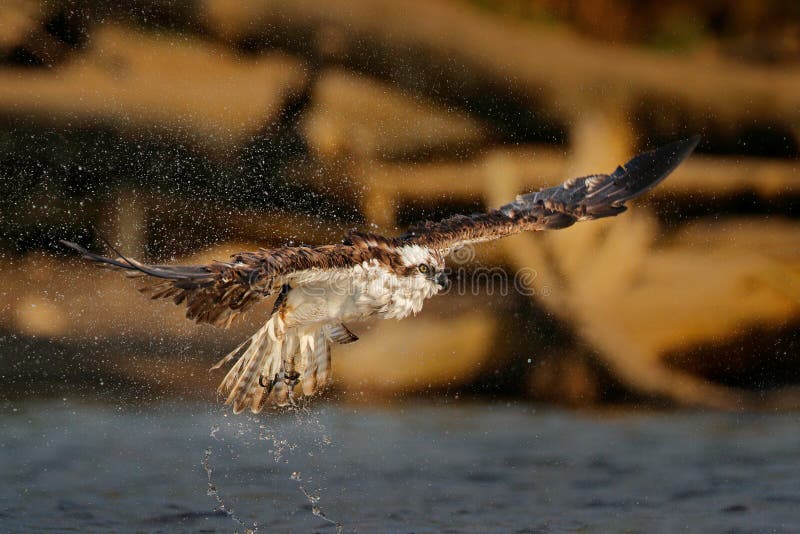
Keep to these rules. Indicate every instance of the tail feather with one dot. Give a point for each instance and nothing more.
(260, 395)
(309, 381)
(275, 351)
(249, 386)
(243, 377)
(254, 390)
(231, 355)
(244, 374)
(322, 361)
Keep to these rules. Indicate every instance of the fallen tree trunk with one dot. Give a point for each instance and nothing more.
(506, 71)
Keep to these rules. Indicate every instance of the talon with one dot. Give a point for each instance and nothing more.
(269, 385)
(291, 378)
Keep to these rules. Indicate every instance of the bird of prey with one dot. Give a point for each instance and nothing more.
(320, 288)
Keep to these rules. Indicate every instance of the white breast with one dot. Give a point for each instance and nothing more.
(354, 293)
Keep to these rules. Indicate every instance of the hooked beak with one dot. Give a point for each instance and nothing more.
(442, 280)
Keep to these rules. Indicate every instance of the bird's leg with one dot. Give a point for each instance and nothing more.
(290, 376)
(291, 379)
(262, 381)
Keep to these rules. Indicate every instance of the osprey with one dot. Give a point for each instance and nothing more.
(320, 288)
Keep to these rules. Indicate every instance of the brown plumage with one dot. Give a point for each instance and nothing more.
(586, 198)
(391, 277)
(218, 292)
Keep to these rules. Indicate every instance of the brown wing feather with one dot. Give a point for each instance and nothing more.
(220, 291)
(590, 197)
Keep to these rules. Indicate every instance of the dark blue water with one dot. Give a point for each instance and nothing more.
(70, 466)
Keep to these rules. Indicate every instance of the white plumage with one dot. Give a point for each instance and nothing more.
(367, 275)
(294, 344)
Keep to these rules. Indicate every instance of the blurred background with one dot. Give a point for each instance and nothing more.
(185, 131)
(189, 130)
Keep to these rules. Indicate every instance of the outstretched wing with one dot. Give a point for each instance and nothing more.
(218, 292)
(577, 199)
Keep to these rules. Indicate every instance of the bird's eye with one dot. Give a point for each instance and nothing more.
(424, 269)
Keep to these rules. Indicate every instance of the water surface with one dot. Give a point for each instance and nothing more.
(72, 466)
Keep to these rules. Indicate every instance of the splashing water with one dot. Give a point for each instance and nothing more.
(317, 511)
(280, 449)
(213, 492)
(303, 416)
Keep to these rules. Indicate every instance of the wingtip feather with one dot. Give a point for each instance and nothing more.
(73, 246)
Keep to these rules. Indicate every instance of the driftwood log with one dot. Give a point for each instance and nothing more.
(149, 84)
(390, 108)
(516, 75)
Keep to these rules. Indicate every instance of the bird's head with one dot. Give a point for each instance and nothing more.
(425, 267)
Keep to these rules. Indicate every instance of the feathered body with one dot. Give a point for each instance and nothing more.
(294, 345)
(321, 288)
